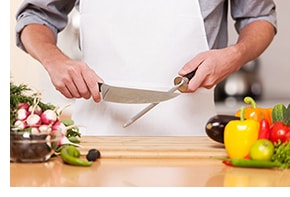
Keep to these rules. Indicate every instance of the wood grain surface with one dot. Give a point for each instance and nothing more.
(154, 147)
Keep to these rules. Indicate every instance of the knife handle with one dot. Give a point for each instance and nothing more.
(100, 86)
(190, 75)
(183, 87)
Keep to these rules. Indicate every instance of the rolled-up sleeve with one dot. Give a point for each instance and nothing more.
(52, 13)
(247, 11)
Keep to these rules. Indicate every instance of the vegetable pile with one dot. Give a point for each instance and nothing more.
(29, 114)
(260, 138)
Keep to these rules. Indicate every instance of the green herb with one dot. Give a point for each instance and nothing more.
(73, 133)
(282, 154)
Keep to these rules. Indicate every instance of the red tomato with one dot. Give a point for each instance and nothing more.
(288, 135)
(279, 131)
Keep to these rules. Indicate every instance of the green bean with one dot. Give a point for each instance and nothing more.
(70, 155)
(251, 163)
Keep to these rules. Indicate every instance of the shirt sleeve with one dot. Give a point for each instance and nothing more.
(52, 13)
(247, 11)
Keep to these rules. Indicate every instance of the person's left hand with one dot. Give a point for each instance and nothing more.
(213, 66)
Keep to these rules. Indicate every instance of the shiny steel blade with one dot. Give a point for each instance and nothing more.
(152, 105)
(133, 96)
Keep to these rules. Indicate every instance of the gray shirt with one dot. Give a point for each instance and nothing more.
(53, 13)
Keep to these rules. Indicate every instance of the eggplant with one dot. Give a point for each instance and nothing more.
(216, 125)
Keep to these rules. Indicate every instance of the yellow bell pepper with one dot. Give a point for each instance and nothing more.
(239, 135)
(254, 112)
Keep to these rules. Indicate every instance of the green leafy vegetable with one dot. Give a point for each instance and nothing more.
(282, 154)
(23, 94)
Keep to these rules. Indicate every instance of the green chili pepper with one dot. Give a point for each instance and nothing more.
(70, 155)
(251, 163)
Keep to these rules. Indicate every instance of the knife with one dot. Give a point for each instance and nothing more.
(132, 95)
(180, 83)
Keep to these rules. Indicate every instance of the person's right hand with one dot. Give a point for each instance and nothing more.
(74, 79)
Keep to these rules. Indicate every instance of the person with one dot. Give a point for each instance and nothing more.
(145, 44)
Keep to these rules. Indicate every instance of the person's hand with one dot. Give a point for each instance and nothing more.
(213, 66)
(74, 79)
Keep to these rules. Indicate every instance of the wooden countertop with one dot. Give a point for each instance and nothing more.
(147, 161)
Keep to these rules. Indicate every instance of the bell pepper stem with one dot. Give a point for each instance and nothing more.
(242, 115)
(251, 101)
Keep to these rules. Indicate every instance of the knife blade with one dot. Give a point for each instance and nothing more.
(132, 95)
(180, 83)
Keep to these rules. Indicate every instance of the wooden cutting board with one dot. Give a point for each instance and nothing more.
(154, 147)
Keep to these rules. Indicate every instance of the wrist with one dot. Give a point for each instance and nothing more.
(238, 52)
(53, 57)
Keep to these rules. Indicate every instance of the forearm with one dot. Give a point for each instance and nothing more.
(40, 42)
(215, 65)
(253, 40)
(74, 79)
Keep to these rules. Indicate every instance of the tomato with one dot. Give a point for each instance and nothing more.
(262, 150)
(279, 132)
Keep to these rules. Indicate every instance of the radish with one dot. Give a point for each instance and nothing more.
(22, 114)
(23, 106)
(59, 126)
(34, 131)
(20, 125)
(65, 140)
(59, 111)
(45, 128)
(33, 120)
(35, 109)
(49, 116)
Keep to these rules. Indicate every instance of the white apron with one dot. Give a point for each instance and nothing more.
(143, 44)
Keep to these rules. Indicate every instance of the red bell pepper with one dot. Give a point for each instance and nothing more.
(264, 132)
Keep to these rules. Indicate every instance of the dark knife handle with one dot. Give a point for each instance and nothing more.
(183, 87)
(100, 86)
(190, 75)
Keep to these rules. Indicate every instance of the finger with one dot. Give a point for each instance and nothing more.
(191, 65)
(81, 87)
(91, 81)
(95, 92)
(195, 82)
(77, 85)
(73, 89)
(64, 91)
